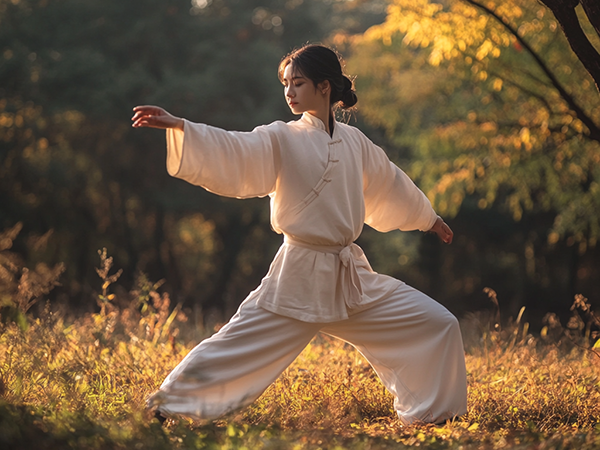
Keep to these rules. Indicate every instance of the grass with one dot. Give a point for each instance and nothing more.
(81, 383)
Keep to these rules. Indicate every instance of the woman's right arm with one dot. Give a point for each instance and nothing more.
(155, 117)
(228, 163)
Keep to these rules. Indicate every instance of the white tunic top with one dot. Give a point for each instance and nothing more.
(323, 189)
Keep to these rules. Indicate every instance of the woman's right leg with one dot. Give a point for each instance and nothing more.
(232, 368)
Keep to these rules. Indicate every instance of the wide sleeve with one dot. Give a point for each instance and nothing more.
(392, 200)
(229, 163)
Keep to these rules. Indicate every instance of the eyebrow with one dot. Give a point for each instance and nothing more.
(294, 78)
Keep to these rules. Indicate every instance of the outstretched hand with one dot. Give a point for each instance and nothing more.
(155, 117)
(443, 231)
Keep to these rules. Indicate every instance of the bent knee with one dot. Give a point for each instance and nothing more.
(445, 320)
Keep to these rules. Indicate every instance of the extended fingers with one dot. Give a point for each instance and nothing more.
(447, 233)
(141, 123)
(144, 121)
(141, 111)
(443, 231)
(140, 118)
(448, 238)
(149, 108)
(145, 116)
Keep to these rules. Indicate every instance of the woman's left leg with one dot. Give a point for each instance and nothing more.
(415, 346)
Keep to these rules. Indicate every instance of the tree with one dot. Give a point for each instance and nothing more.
(566, 14)
(490, 110)
(70, 72)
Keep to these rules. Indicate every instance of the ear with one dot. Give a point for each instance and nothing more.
(324, 87)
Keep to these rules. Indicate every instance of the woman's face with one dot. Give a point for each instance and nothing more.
(302, 95)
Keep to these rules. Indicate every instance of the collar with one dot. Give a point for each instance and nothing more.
(316, 122)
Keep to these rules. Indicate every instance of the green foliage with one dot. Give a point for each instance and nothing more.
(70, 72)
(480, 115)
(479, 124)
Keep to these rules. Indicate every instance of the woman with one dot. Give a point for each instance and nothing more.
(325, 180)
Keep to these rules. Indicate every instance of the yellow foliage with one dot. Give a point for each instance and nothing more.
(448, 30)
(486, 102)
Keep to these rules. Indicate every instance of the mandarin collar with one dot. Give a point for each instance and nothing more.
(316, 122)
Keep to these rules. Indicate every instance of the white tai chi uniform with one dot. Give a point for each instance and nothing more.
(323, 189)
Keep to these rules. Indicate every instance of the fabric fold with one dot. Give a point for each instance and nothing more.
(352, 291)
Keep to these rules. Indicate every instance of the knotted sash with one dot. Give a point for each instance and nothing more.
(349, 280)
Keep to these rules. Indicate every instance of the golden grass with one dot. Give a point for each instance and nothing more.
(82, 382)
(104, 365)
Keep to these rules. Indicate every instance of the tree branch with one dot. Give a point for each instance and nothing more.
(529, 92)
(592, 10)
(594, 130)
(564, 11)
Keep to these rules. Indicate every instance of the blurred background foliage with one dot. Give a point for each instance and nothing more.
(498, 120)
(454, 97)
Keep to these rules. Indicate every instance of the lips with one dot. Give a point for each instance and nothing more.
(292, 104)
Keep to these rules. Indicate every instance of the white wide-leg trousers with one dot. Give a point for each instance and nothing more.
(412, 342)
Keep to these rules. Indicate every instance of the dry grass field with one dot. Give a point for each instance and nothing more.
(81, 382)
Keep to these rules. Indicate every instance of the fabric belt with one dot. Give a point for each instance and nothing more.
(349, 279)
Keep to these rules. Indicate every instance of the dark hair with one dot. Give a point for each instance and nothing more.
(319, 63)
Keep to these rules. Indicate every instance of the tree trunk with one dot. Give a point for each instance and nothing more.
(592, 10)
(588, 121)
(564, 11)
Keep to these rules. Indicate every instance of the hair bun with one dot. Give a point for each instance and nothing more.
(349, 98)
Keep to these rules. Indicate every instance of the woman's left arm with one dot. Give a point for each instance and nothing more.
(392, 200)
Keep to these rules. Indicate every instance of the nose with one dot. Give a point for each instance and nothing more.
(289, 92)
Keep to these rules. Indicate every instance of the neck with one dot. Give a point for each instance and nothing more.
(326, 117)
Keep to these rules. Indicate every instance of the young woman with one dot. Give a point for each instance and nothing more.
(325, 180)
